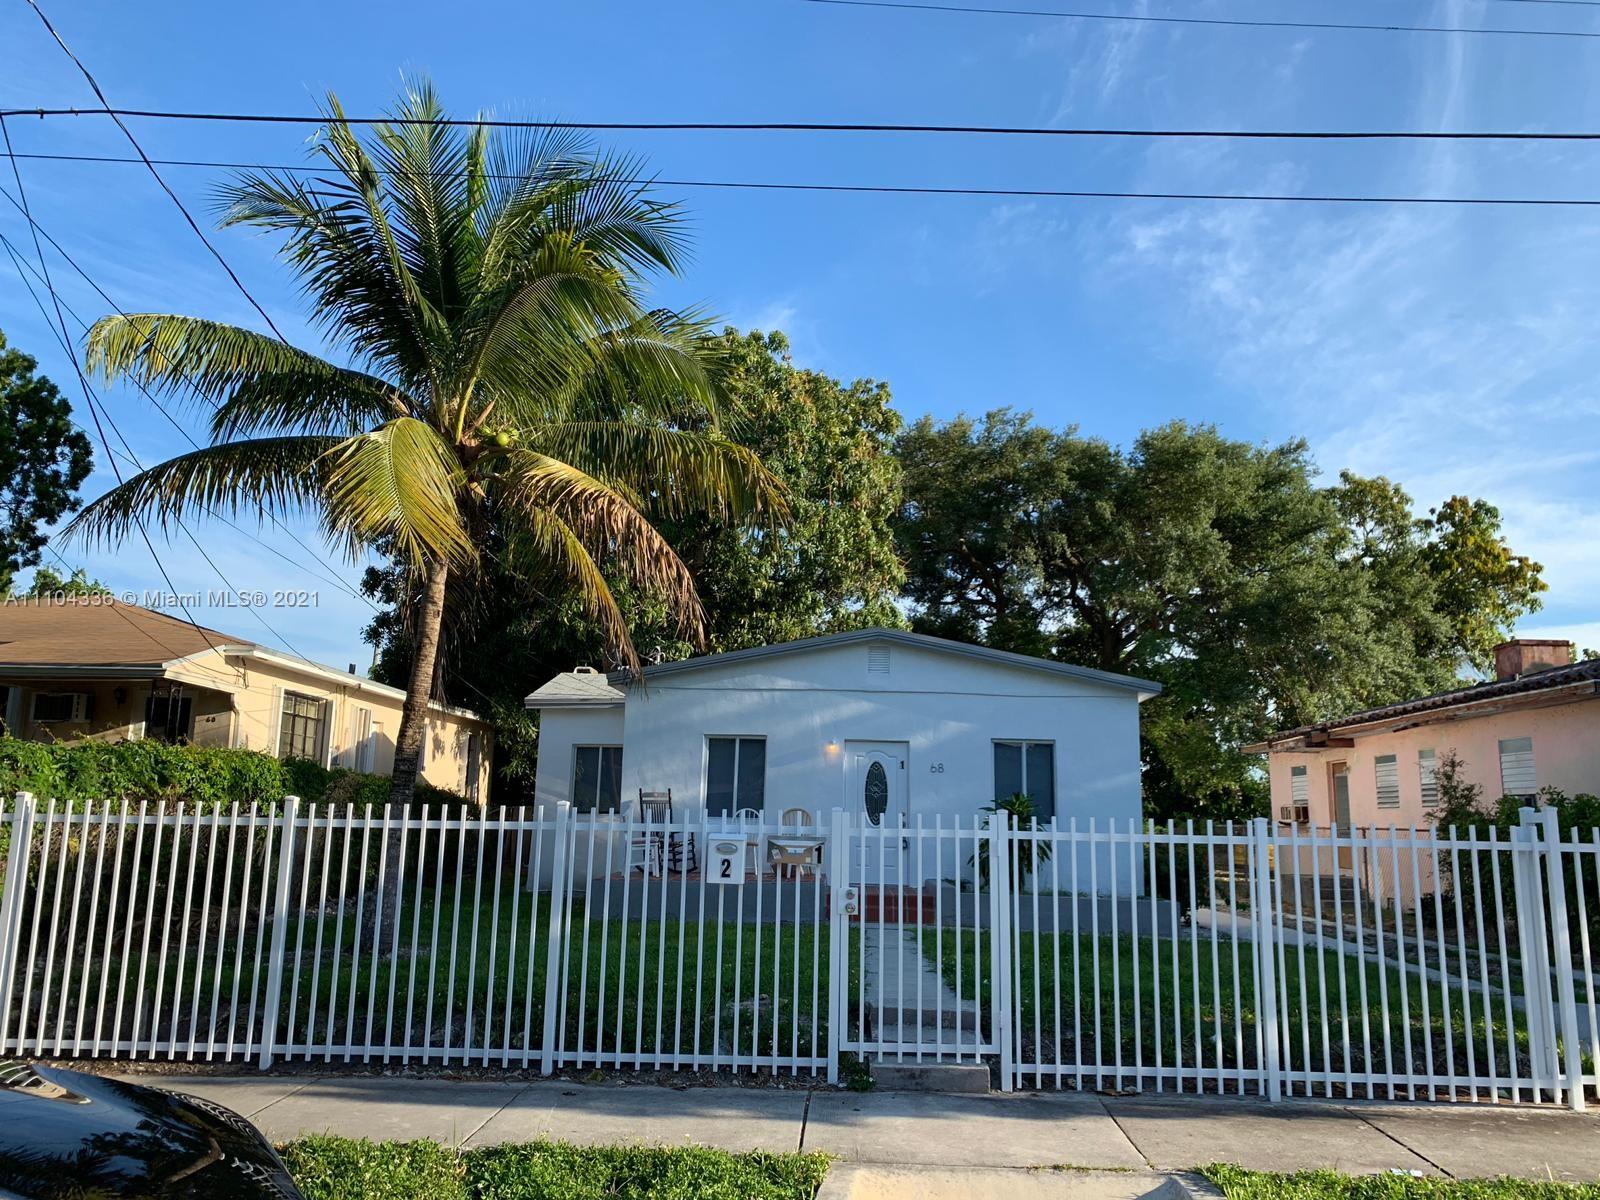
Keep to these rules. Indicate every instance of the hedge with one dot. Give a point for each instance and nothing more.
(148, 770)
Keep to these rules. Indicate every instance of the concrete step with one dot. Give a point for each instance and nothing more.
(966, 1078)
(926, 1017)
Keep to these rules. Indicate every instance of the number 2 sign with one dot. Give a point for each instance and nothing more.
(727, 861)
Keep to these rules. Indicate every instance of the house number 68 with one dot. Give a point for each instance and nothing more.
(936, 768)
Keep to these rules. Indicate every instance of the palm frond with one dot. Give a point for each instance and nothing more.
(401, 481)
(678, 470)
(213, 361)
(544, 544)
(609, 523)
(265, 476)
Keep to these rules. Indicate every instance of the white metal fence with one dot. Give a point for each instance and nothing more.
(1273, 961)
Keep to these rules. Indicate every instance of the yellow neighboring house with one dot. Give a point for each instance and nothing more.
(94, 667)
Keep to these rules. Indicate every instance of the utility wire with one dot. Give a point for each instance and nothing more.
(1233, 22)
(890, 190)
(97, 410)
(171, 420)
(138, 149)
(831, 126)
(155, 400)
(95, 415)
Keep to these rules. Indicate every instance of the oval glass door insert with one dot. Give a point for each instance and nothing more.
(875, 793)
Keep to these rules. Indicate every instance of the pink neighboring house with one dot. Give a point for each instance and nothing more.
(1535, 725)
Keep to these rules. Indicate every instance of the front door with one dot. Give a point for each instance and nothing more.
(1339, 789)
(875, 782)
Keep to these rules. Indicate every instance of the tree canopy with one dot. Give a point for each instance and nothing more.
(48, 584)
(43, 459)
(505, 376)
(832, 565)
(1219, 568)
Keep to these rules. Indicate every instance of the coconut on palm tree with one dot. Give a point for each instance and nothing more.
(501, 373)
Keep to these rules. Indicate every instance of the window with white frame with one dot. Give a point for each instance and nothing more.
(1428, 778)
(1517, 774)
(1386, 768)
(736, 774)
(300, 726)
(597, 778)
(1298, 809)
(1028, 768)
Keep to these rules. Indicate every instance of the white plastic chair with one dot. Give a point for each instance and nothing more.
(748, 821)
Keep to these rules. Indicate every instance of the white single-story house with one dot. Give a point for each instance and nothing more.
(896, 725)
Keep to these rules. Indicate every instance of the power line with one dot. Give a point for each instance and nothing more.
(5, 133)
(138, 149)
(1234, 22)
(831, 126)
(97, 409)
(893, 190)
(184, 433)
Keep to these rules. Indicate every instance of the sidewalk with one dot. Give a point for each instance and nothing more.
(916, 1129)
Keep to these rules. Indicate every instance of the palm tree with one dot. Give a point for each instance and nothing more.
(505, 375)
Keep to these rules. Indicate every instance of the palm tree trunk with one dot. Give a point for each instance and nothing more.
(408, 746)
(425, 650)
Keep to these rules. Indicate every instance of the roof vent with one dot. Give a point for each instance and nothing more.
(584, 671)
(877, 660)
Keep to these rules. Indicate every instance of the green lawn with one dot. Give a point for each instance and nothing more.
(477, 977)
(1239, 1184)
(1171, 974)
(332, 1168)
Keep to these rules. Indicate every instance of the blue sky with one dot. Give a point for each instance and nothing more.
(1451, 349)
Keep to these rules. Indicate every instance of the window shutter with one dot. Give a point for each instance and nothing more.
(275, 723)
(1517, 774)
(1299, 786)
(330, 713)
(1387, 770)
(1427, 778)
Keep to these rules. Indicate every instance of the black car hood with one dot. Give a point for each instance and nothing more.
(107, 1138)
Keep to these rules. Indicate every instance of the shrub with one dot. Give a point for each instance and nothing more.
(135, 771)
(149, 770)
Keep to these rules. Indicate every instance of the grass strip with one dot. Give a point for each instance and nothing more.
(336, 1168)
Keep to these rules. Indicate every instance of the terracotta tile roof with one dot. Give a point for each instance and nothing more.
(1532, 681)
(101, 632)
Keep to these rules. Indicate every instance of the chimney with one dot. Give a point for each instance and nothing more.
(1522, 655)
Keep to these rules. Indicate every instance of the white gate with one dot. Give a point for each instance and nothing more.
(919, 952)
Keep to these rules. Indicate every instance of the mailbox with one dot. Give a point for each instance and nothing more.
(725, 863)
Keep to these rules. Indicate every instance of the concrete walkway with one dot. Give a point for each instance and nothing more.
(923, 1130)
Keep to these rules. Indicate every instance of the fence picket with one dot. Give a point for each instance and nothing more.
(1422, 929)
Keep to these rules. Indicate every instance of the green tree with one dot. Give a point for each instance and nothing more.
(43, 459)
(506, 377)
(1481, 585)
(1217, 567)
(49, 584)
(832, 566)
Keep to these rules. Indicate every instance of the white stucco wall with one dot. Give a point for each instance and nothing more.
(559, 731)
(947, 709)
